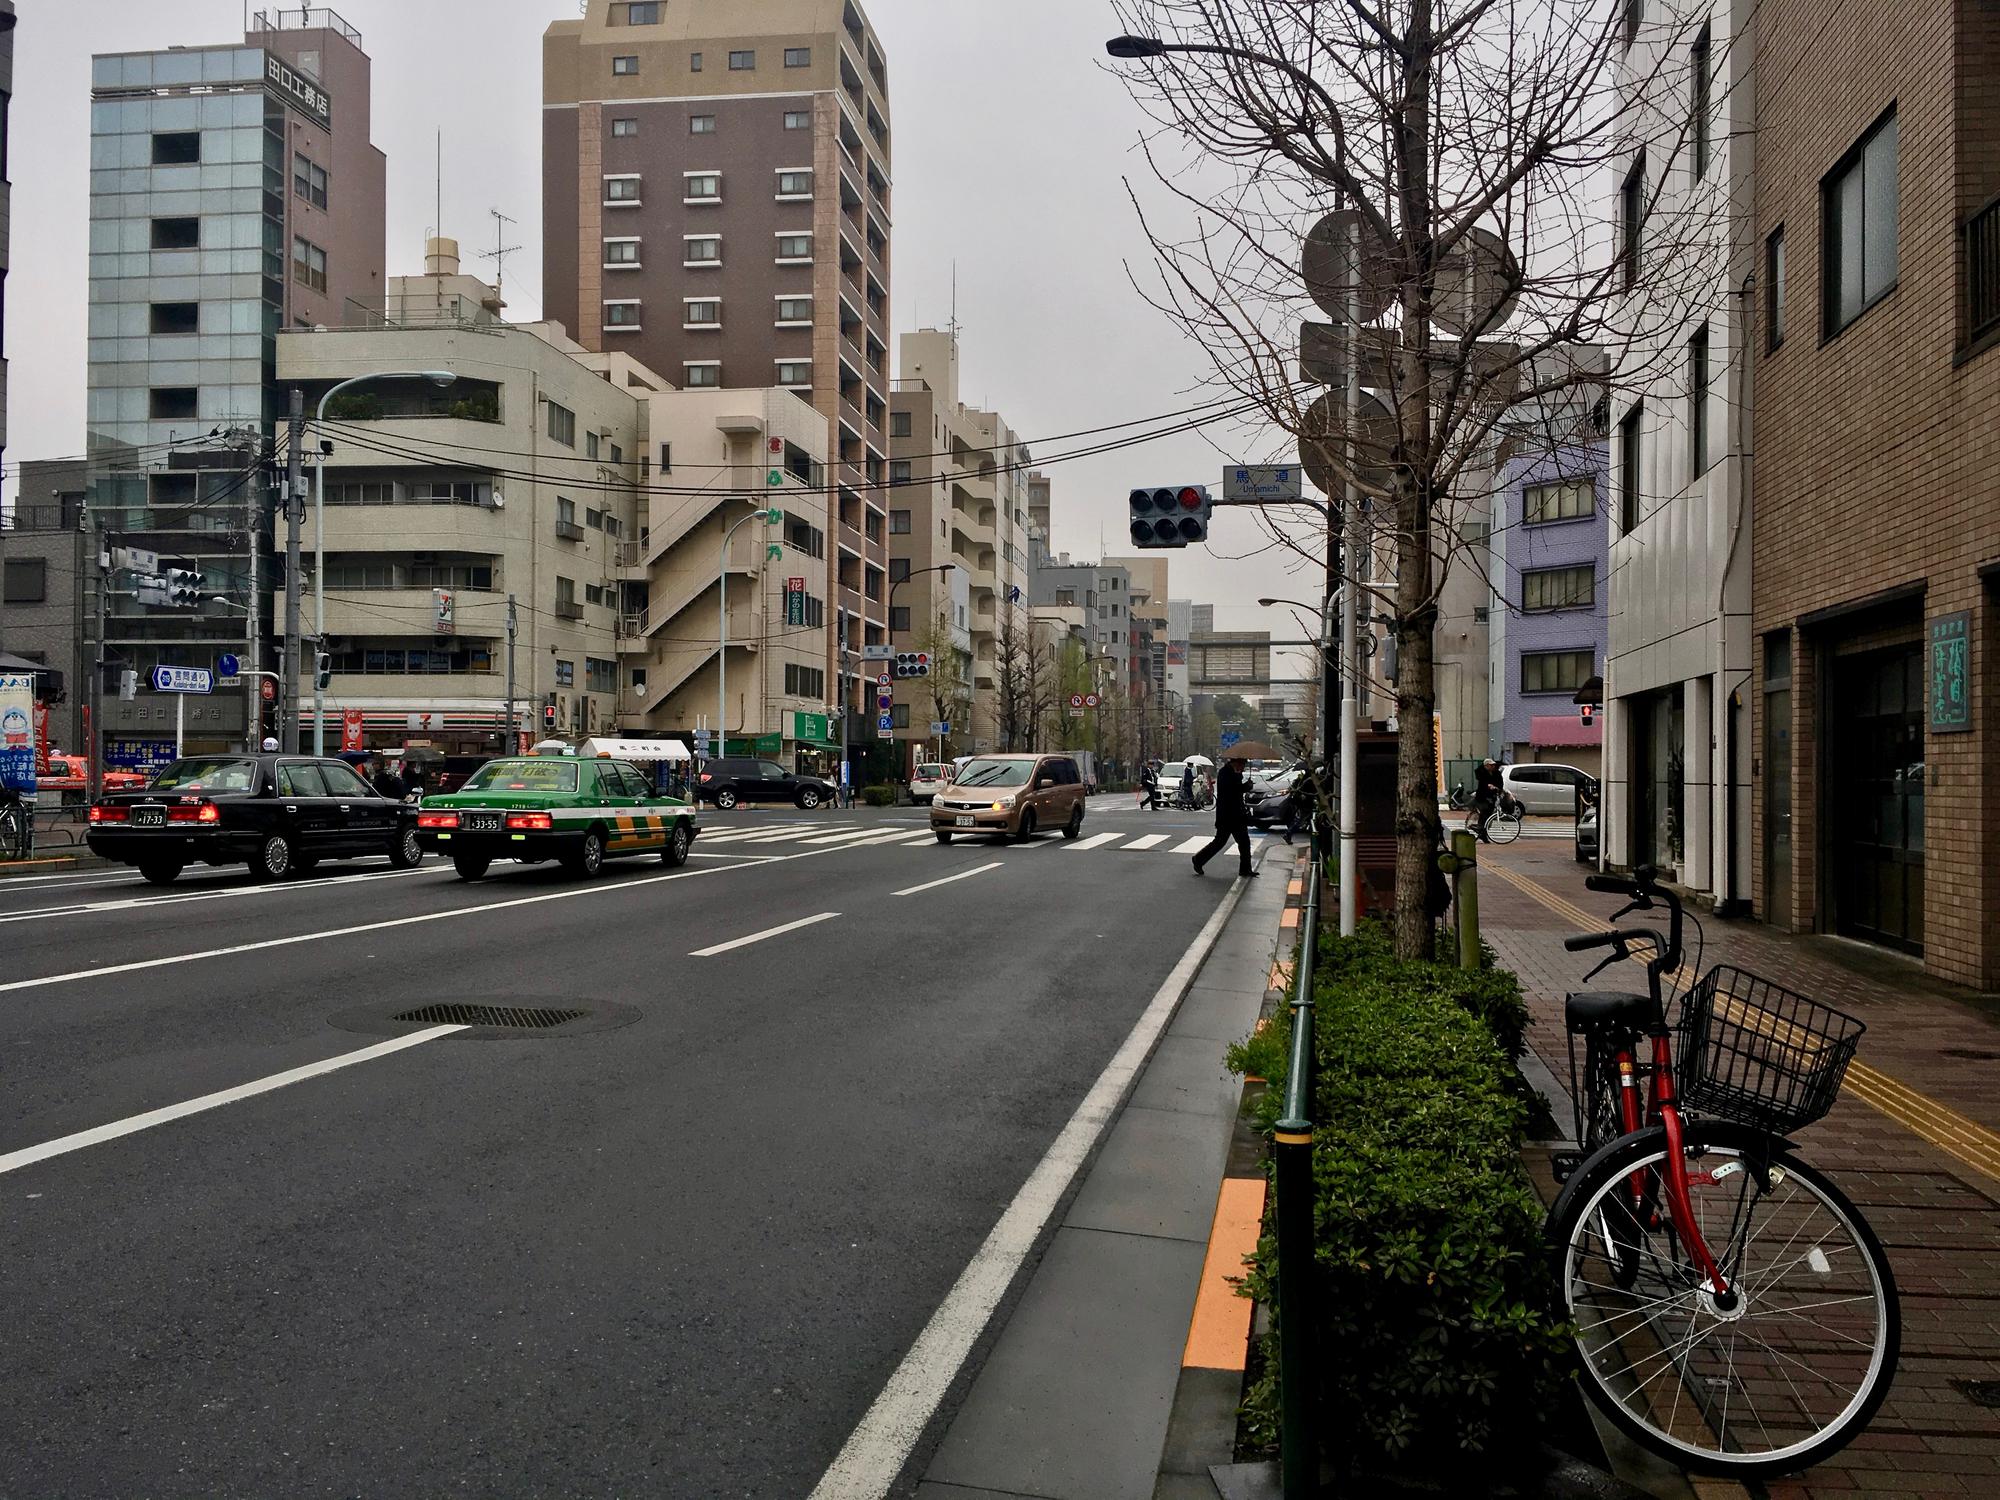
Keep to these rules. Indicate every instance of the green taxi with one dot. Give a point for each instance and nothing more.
(577, 811)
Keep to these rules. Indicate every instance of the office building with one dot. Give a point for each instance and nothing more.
(716, 203)
(51, 589)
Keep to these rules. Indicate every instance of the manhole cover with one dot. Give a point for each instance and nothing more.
(522, 1017)
(1972, 1054)
(1979, 1392)
(491, 1018)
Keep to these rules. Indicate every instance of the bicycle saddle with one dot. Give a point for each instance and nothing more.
(1587, 1009)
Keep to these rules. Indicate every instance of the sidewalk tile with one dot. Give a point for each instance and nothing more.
(1187, 1075)
(1156, 1175)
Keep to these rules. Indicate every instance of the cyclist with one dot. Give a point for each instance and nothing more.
(1487, 790)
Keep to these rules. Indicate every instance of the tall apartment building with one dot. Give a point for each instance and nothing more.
(234, 193)
(1678, 646)
(963, 474)
(716, 203)
(1875, 680)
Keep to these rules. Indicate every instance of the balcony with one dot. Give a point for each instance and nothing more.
(568, 609)
(569, 531)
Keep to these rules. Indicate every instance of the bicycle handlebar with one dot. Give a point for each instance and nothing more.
(1617, 936)
(1643, 889)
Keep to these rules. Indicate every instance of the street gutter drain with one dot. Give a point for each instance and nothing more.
(519, 1017)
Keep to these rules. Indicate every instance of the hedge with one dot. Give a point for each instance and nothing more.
(879, 796)
(1441, 1347)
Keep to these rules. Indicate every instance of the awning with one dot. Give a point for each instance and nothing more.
(1561, 731)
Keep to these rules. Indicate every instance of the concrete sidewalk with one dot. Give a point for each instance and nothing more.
(1914, 1139)
(1075, 1399)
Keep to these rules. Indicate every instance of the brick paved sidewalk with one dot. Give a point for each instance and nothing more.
(1914, 1140)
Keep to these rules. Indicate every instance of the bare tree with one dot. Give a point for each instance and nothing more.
(1470, 147)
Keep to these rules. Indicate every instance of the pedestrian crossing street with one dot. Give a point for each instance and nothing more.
(800, 837)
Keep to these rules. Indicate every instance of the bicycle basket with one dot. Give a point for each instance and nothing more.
(1755, 1051)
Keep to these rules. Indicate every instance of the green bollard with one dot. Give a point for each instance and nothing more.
(1465, 896)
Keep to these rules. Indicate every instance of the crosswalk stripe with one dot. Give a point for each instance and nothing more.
(761, 835)
(842, 835)
(1095, 841)
(922, 838)
(1189, 846)
(1148, 841)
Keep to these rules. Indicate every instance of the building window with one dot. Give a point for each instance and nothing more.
(308, 265)
(1556, 671)
(795, 184)
(1774, 288)
(1564, 500)
(795, 248)
(599, 675)
(694, 62)
(740, 62)
(702, 249)
(565, 670)
(899, 714)
(1631, 220)
(795, 372)
(622, 190)
(643, 13)
(1699, 58)
(795, 310)
(625, 67)
(1858, 238)
(562, 425)
(175, 317)
(566, 525)
(701, 124)
(702, 313)
(1697, 367)
(899, 569)
(899, 424)
(27, 581)
(899, 471)
(622, 253)
(622, 315)
(703, 372)
(309, 181)
(899, 617)
(171, 403)
(176, 234)
(624, 127)
(1628, 466)
(1559, 588)
(798, 119)
(805, 536)
(798, 57)
(591, 443)
(176, 148)
(805, 682)
(701, 187)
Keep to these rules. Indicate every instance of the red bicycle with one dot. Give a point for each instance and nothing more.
(1732, 1309)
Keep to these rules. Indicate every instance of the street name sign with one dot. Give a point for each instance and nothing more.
(1262, 483)
(183, 680)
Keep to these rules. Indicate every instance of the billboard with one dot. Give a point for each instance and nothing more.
(17, 732)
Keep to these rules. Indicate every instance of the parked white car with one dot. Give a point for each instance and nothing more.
(1546, 788)
(926, 781)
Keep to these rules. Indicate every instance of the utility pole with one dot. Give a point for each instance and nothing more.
(1354, 559)
(294, 519)
(95, 707)
(513, 735)
(846, 713)
(253, 627)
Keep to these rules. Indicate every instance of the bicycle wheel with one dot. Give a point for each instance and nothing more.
(1503, 827)
(1773, 1383)
(13, 832)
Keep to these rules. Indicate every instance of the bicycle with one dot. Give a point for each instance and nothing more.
(1503, 824)
(13, 827)
(1732, 1309)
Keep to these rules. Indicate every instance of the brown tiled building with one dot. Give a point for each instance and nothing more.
(1876, 532)
(716, 204)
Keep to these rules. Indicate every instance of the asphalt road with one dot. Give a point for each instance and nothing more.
(679, 1257)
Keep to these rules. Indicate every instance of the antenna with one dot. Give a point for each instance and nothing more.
(437, 225)
(501, 249)
(952, 326)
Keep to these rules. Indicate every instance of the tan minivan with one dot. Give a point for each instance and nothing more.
(1012, 796)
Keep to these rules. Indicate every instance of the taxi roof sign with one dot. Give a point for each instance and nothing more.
(639, 750)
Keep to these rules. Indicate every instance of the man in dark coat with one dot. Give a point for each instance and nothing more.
(1231, 821)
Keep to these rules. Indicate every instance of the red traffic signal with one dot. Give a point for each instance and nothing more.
(1192, 498)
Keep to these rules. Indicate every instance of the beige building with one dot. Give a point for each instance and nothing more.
(716, 202)
(578, 495)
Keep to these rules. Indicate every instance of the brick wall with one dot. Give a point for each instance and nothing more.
(1878, 450)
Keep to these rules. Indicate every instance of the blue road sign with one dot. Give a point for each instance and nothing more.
(227, 665)
(1229, 737)
(939, 726)
(885, 722)
(183, 680)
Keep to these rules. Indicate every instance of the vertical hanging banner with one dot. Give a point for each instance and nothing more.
(795, 601)
(17, 733)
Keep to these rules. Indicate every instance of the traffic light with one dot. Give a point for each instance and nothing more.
(322, 671)
(549, 712)
(184, 587)
(913, 664)
(1169, 516)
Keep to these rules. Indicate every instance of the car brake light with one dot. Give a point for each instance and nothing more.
(437, 820)
(705, 776)
(103, 814)
(540, 822)
(195, 812)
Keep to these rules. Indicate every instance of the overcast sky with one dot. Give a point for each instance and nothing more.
(1012, 146)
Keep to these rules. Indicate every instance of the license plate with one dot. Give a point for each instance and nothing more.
(482, 822)
(149, 817)
(964, 820)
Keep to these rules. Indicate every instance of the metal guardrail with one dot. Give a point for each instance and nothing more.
(1291, 1151)
(50, 829)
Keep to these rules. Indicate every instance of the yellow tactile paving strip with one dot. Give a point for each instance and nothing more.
(1952, 1133)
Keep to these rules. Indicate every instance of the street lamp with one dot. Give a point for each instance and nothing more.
(435, 377)
(770, 518)
(1132, 47)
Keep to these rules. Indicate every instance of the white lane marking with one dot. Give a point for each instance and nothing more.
(1095, 841)
(1190, 846)
(605, 889)
(758, 937)
(922, 838)
(741, 859)
(132, 1124)
(874, 1454)
(1147, 841)
(842, 836)
(133, 903)
(931, 885)
(95, 877)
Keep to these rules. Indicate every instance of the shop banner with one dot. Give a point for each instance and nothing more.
(17, 733)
